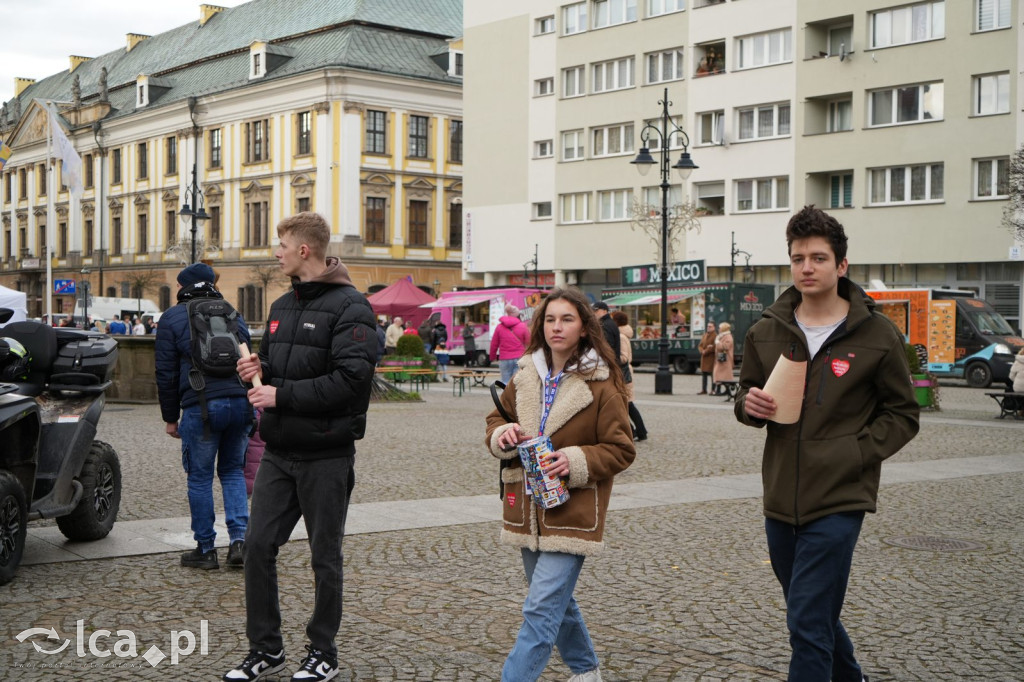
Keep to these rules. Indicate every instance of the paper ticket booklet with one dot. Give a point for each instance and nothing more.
(786, 387)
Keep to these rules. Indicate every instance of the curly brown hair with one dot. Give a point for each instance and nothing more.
(593, 335)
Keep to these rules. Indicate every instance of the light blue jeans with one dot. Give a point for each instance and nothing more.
(550, 618)
(224, 447)
(508, 369)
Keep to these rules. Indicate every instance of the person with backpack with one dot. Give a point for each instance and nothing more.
(203, 402)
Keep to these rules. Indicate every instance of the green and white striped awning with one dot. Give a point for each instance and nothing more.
(650, 297)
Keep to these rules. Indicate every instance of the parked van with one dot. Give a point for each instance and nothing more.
(482, 307)
(109, 307)
(964, 336)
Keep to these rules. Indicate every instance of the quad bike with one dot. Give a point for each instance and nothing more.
(50, 464)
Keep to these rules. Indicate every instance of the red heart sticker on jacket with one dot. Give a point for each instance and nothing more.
(273, 326)
(511, 499)
(840, 367)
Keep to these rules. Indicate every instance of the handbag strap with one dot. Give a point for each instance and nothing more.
(502, 463)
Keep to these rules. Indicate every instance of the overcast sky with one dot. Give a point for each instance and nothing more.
(38, 35)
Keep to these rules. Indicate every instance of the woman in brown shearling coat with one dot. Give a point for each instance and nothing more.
(570, 389)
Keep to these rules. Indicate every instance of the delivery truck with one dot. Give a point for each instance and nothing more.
(964, 337)
(108, 307)
(482, 308)
(738, 304)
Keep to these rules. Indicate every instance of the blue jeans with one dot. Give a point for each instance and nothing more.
(812, 562)
(550, 618)
(508, 369)
(318, 491)
(224, 445)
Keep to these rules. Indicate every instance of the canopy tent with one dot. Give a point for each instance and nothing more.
(460, 301)
(16, 301)
(402, 299)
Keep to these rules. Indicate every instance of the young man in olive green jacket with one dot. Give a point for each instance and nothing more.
(821, 473)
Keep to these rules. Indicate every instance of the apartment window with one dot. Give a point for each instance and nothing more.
(664, 66)
(993, 14)
(710, 60)
(574, 18)
(455, 225)
(542, 149)
(652, 198)
(215, 148)
(840, 190)
(542, 210)
(257, 140)
(614, 75)
(543, 86)
(575, 208)
(302, 204)
(376, 231)
(90, 235)
(8, 181)
(304, 131)
(573, 81)
(418, 137)
(906, 184)
(992, 94)
(655, 8)
(115, 166)
(762, 194)
(544, 25)
(257, 64)
(376, 132)
(457, 64)
(213, 227)
(418, 223)
(62, 240)
(572, 145)
(910, 104)
(22, 184)
(611, 12)
(767, 121)
(992, 178)
(609, 140)
(764, 49)
(142, 157)
(143, 241)
(613, 205)
(908, 24)
(455, 141)
(711, 127)
(170, 224)
(171, 155)
(41, 179)
(257, 223)
(675, 138)
(840, 115)
(88, 172)
(116, 238)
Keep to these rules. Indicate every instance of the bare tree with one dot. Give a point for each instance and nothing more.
(682, 218)
(140, 282)
(265, 275)
(1013, 213)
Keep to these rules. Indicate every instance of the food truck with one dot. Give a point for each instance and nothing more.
(483, 308)
(964, 336)
(738, 304)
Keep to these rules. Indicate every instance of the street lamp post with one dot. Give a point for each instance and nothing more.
(732, 259)
(192, 210)
(85, 297)
(685, 166)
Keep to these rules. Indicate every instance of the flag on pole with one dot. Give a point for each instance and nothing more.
(5, 153)
(70, 160)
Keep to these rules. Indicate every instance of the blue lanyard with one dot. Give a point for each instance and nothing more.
(550, 389)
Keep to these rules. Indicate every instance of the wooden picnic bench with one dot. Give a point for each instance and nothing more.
(418, 377)
(464, 379)
(1010, 404)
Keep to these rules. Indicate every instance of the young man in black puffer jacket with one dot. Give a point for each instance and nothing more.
(316, 363)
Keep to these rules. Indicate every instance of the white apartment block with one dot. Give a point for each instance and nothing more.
(898, 118)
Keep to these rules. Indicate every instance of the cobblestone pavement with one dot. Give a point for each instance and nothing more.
(684, 592)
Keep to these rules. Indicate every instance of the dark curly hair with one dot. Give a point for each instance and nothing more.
(593, 336)
(813, 222)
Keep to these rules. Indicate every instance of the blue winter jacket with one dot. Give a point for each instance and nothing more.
(174, 360)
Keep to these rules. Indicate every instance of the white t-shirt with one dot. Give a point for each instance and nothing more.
(817, 335)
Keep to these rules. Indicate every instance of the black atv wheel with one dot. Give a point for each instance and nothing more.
(96, 512)
(13, 525)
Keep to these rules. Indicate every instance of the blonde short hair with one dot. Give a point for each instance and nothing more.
(724, 327)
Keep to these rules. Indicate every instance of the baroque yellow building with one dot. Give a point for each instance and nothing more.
(353, 110)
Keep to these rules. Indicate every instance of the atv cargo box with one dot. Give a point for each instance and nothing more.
(84, 352)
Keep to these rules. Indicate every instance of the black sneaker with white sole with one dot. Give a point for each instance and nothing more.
(256, 665)
(317, 667)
